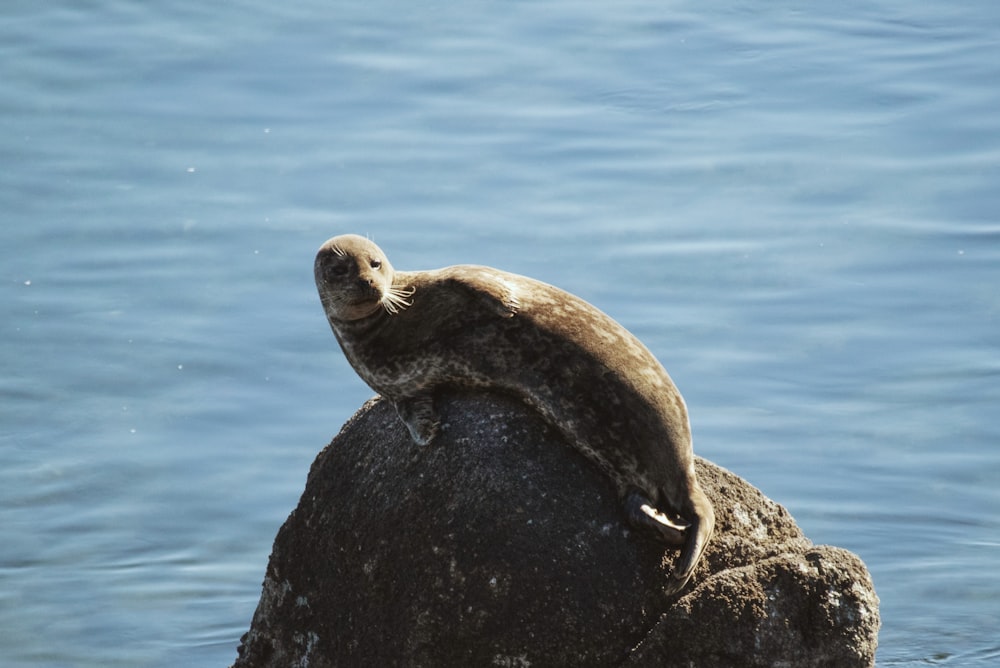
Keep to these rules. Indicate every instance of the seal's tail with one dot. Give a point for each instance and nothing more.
(700, 513)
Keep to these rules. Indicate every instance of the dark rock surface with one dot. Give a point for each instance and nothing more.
(499, 546)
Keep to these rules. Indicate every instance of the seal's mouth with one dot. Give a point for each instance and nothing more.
(350, 300)
(392, 300)
(368, 293)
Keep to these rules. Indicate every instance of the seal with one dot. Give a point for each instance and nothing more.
(409, 333)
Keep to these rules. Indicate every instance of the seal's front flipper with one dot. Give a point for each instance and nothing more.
(644, 516)
(418, 414)
(493, 289)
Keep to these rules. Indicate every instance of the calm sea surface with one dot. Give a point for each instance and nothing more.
(796, 205)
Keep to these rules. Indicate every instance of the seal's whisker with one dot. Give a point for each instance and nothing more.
(396, 299)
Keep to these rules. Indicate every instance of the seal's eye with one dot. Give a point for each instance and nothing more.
(375, 264)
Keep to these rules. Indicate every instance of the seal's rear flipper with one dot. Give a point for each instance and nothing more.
(694, 536)
(644, 516)
(703, 524)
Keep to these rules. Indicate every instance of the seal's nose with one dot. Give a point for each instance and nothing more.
(330, 266)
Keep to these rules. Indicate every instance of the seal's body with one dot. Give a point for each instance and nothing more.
(409, 333)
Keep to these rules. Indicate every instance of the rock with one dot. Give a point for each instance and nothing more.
(500, 546)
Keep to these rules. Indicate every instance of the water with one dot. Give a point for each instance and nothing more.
(796, 207)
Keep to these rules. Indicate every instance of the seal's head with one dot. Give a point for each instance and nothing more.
(354, 279)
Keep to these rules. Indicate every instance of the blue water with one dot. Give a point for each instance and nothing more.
(797, 207)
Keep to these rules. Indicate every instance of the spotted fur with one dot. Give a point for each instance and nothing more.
(409, 333)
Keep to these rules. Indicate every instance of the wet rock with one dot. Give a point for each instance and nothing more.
(500, 546)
